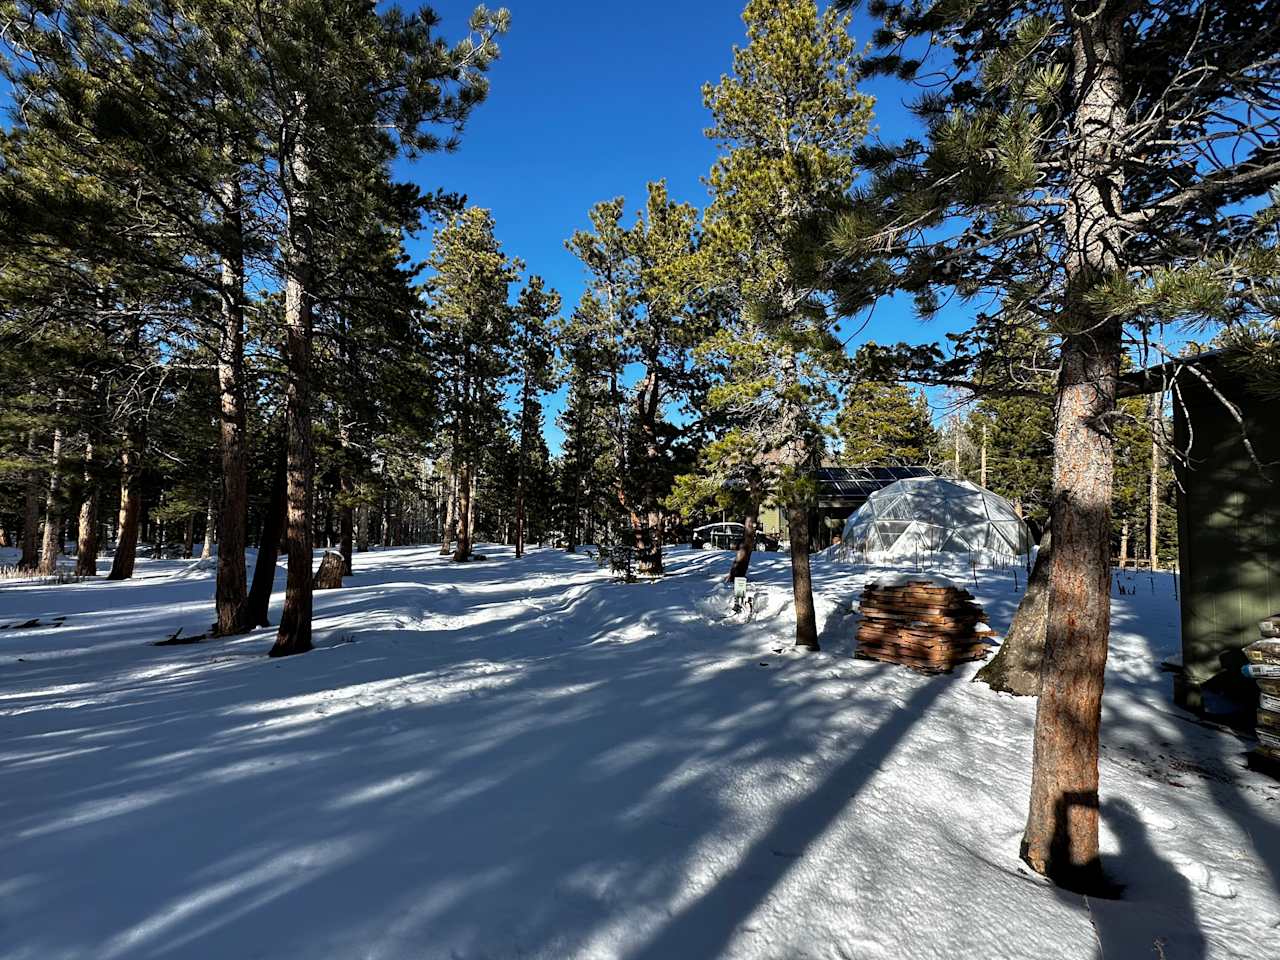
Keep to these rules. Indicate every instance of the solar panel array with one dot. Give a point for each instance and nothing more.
(862, 481)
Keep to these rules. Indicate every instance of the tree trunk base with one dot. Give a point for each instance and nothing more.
(329, 576)
(289, 649)
(1015, 668)
(1088, 880)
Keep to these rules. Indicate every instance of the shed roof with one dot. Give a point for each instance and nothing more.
(861, 482)
(1156, 379)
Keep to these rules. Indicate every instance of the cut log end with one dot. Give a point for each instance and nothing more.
(922, 626)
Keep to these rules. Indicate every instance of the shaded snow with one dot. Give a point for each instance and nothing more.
(527, 759)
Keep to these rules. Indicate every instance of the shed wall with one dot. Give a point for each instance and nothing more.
(1228, 523)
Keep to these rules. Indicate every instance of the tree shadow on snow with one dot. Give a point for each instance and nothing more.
(705, 927)
(1156, 915)
(543, 778)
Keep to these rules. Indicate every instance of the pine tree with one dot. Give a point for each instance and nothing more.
(787, 120)
(883, 422)
(474, 333)
(1078, 150)
(640, 275)
(1019, 435)
(594, 454)
(389, 93)
(133, 98)
(532, 355)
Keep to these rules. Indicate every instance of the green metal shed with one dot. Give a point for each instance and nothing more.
(1228, 520)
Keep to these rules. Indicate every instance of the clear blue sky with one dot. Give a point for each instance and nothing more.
(592, 100)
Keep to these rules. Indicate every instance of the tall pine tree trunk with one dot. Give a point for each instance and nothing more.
(649, 542)
(189, 536)
(257, 604)
(451, 509)
(52, 546)
(346, 520)
(519, 511)
(233, 517)
(130, 515)
(801, 577)
(1016, 666)
(742, 560)
(294, 635)
(1061, 838)
(1153, 488)
(471, 511)
(573, 534)
(521, 467)
(362, 528)
(31, 510)
(210, 524)
(87, 535)
(462, 521)
(648, 529)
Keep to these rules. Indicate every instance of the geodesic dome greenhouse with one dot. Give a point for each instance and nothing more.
(922, 516)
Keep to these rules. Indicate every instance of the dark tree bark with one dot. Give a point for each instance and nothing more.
(742, 560)
(520, 478)
(801, 578)
(1016, 666)
(210, 525)
(519, 521)
(87, 534)
(649, 542)
(189, 536)
(130, 510)
(31, 511)
(257, 604)
(347, 522)
(329, 576)
(573, 534)
(1153, 486)
(647, 518)
(362, 528)
(1061, 838)
(451, 510)
(233, 515)
(294, 635)
(51, 549)
(462, 521)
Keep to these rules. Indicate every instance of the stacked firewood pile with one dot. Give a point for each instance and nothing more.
(922, 625)
(1264, 667)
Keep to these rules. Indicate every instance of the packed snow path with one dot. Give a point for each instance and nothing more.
(526, 759)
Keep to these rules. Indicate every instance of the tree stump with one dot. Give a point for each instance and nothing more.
(329, 576)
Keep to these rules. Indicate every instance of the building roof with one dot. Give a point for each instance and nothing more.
(1157, 379)
(858, 483)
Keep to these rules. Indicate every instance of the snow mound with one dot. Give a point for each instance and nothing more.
(197, 568)
(761, 603)
(904, 579)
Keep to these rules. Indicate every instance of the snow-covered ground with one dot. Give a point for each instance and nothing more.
(527, 759)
